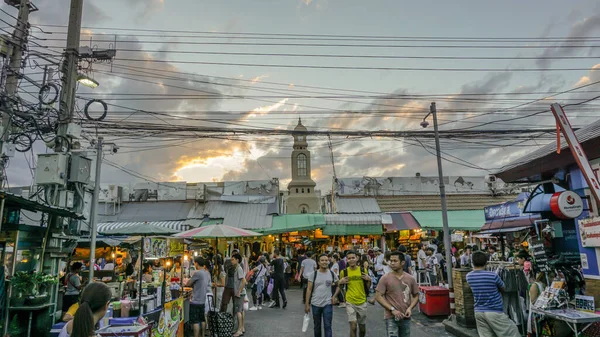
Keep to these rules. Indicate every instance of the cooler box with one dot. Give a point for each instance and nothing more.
(434, 301)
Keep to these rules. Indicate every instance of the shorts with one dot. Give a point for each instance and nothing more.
(357, 313)
(238, 304)
(197, 313)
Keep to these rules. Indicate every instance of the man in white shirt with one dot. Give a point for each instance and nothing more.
(432, 265)
(378, 262)
(465, 259)
(422, 258)
(307, 268)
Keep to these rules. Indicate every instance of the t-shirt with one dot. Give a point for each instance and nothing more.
(72, 310)
(407, 264)
(310, 266)
(230, 270)
(278, 266)
(201, 284)
(321, 295)
(336, 269)
(72, 283)
(109, 266)
(465, 261)
(355, 292)
(421, 257)
(486, 287)
(239, 276)
(397, 291)
(431, 263)
(379, 264)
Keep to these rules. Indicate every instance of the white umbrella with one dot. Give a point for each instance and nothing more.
(215, 232)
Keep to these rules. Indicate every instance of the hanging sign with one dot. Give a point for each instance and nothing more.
(589, 231)
(176, 247)
(538, 250)
(457, 237)
(566, 205)
(155, 248)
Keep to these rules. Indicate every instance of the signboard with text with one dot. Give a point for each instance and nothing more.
(589, 231)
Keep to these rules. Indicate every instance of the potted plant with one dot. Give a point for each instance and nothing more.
(22, 286)
(44, 282)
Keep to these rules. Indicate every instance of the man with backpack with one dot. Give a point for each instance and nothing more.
(357, 283)
(319, 296)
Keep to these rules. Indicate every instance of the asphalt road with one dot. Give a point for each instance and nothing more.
(287, 322)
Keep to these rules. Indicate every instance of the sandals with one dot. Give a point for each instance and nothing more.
(239, 333)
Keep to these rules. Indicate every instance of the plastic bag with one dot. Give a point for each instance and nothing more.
(246, 305)
(270, 287)
(305, 322)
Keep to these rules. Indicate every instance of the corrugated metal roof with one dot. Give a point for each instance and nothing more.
(109, 226)
(248, 216)
(356, 205)
(147, 211)
(249, 199)
(589, 132)
(433, 203)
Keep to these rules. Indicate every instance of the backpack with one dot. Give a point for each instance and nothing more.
(365, 282)
(313, 284)
(408, 263)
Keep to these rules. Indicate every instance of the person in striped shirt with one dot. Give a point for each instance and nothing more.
(489, 309)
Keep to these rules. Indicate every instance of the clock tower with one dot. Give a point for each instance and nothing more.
(302, 197)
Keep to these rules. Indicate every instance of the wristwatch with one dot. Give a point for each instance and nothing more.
(392, 309)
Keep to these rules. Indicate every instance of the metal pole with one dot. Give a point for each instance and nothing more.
(69, 70)
(447, 241)
(12, 81)
(93, 211)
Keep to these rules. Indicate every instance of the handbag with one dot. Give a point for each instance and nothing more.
(219, 324)
(270, 287)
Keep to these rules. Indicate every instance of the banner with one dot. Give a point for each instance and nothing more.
(589, 230)
(176, 247)
(170, 319)
(155, 248)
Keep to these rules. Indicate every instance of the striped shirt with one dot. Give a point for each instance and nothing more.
(486, 287)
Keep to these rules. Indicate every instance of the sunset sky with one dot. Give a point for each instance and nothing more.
(156, 58)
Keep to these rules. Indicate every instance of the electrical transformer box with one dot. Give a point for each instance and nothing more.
(81, 169)
(51, 169)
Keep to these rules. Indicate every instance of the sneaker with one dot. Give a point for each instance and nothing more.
(342, 305)
(272, 305)
(284, 304)
(253, 309)
(260, 307)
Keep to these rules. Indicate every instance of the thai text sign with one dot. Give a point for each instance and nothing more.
(589, 230)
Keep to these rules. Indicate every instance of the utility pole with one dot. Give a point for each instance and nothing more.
(12, 81)
(447, 241)
(69, 71)
(93, 211)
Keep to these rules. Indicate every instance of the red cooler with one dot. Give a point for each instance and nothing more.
(434, 301)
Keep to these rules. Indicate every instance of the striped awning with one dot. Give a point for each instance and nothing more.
(179, 226)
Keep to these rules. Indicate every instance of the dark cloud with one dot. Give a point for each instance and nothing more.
(584, 28)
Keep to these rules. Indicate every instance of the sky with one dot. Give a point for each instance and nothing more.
(158, 57)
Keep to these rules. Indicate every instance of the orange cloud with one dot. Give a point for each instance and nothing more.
(592, 77)
(259, 78)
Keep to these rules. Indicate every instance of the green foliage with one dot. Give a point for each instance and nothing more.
(14, 329)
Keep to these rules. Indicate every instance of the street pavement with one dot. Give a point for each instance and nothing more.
(270, 322)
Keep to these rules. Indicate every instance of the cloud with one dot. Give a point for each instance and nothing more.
(57, 12)
(584, 28)
(259, 78)
(593, 76)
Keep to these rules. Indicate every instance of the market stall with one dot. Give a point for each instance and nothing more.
(147, 297)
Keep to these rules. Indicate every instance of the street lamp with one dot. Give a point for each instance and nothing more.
(447, 241)
(87, 81)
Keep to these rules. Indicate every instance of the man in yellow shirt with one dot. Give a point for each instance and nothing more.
(357, 281)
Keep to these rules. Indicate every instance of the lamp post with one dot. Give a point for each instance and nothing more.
(447, 241)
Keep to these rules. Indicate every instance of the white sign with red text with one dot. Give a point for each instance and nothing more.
(589, 230)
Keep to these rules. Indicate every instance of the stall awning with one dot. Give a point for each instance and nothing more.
(470, 220)
(34, 206)
(402, 221)
(504, 230)
(355, 224)
(513, 222)
(110, 226)
(295, 222)
(366, 229)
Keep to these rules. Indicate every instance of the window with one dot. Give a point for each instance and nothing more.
(302, 190)
(301, 165)
(303, 211)
(309, 190)
(296, 190)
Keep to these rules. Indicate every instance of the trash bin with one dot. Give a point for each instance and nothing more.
(434, 301)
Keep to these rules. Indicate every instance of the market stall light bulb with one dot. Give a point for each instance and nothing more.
(195, 253)
(185, 257)
(113, 255)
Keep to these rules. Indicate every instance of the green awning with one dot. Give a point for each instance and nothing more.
(470, 220)
(366, 229)
(295, 222)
